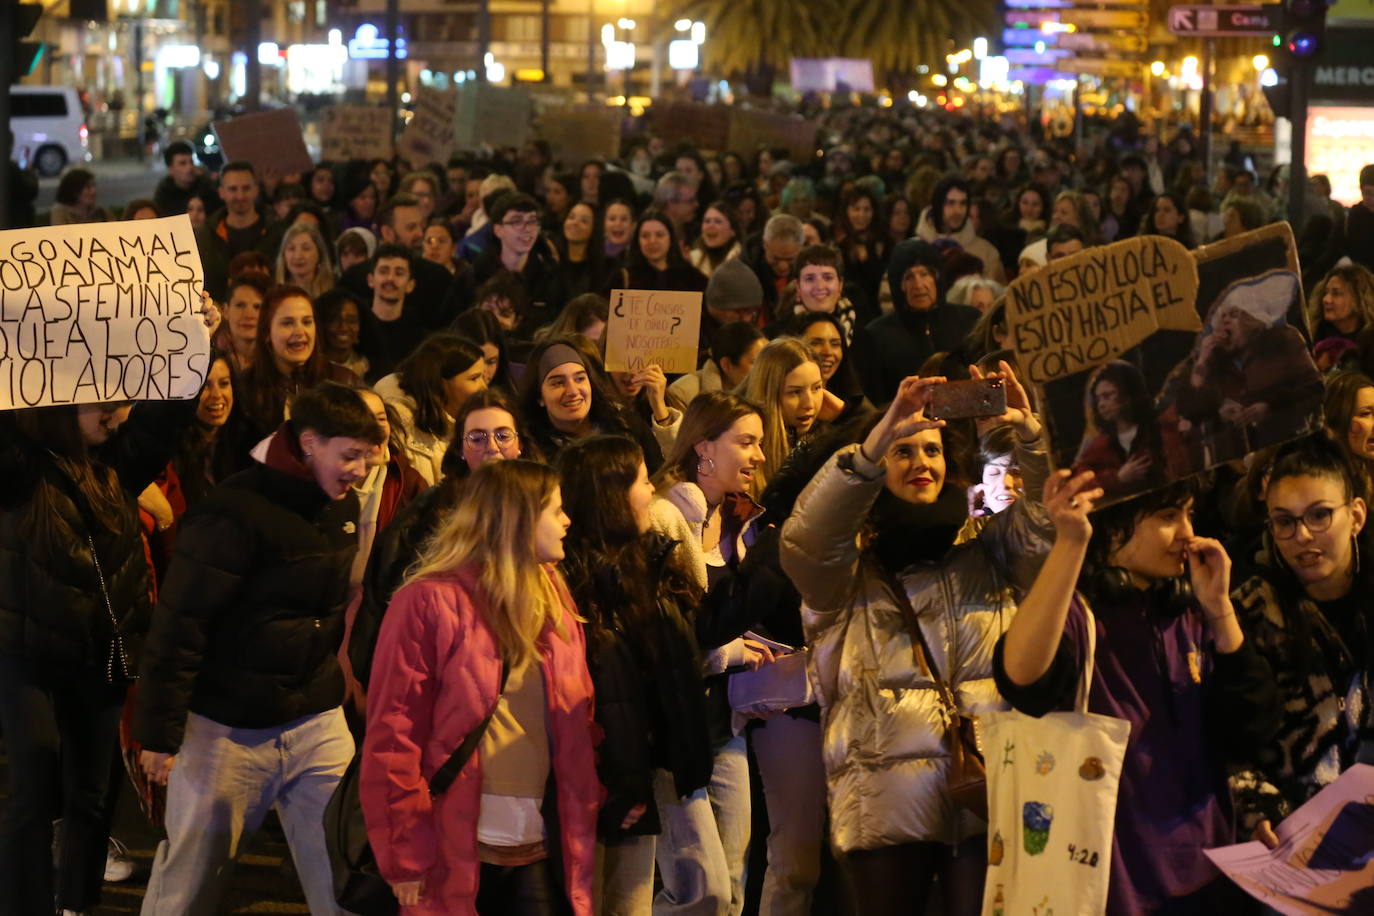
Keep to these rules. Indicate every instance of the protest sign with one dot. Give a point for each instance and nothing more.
(751, 130)
(1324, 862)
(578, 135)
(1142, 390)
(653, 327)
(355, 132)
(101, 312)
(429, 136)
(705, 127)
(494, 116)
(271, 140)
(1089, 308)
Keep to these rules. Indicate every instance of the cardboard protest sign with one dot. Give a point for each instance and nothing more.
(101, 312)
(578, 135)
(706, 127)
(268, 139)
(1150, 371)
(1089, 308)
(355, 132)
(751, 130)
(1322, 863)
(429, 136)
(653, 327)
(494, 116)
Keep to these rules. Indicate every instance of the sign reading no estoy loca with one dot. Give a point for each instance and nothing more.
(1089, 308)
(653, 327)
(101, 312)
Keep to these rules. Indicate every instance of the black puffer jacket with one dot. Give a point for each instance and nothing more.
(52, 609)
(649, 698)
(250, 618)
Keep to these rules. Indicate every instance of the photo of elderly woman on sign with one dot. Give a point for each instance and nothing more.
(1252, 382)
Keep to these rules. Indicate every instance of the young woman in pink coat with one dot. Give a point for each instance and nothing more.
(516, 832)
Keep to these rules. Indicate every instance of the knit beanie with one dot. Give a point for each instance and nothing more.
(734, 287)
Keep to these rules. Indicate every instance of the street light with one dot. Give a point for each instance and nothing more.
(1260, 62)
(1157, 68)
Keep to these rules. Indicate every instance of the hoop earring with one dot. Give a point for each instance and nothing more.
(704, 473)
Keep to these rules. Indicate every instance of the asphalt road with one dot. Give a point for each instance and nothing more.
(118, 181)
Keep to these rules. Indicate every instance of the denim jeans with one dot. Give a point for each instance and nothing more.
(61, 733)
(701, 854)
(520, 890)
(788, 751)
(625, 876)
(224, 781)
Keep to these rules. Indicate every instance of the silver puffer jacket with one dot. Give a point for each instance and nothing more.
(885, 746)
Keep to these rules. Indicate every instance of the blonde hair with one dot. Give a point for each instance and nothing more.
(492, 528)
(763, 386)
(323, 280)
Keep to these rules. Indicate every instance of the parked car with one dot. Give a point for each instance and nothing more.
(49, 128)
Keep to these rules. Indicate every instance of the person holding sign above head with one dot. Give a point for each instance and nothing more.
(1306, 611)
(238, 227)
(74, 609)
(238, 708)
(1170, 658)
(567, 396)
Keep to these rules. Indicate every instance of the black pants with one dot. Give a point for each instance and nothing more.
(521, 890)
(896, 880)
(60, 728)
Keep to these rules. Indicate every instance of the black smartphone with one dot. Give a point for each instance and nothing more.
(979, 397)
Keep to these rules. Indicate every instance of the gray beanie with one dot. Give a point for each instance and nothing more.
(734, 287)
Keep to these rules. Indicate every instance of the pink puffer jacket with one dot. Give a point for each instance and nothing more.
(436, 676)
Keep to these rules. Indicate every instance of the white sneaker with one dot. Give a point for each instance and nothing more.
(118, 865)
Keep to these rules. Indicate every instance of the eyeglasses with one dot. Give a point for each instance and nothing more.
(1316, 520)
(529, 223)
(503, 436)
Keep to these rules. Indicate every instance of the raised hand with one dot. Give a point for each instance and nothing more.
(1069, 498)
(1019, 413)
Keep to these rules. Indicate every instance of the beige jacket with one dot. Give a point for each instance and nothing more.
(968, 240)
(884, 736)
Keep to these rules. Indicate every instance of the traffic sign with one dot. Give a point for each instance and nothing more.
(1106, 19)
(1100, 43)
(1031, 18)
(1222, 21)
(1029, 57)
(1099, 66)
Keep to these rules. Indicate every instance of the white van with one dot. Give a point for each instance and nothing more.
(49, 128)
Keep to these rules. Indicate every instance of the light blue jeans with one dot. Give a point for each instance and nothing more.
(224, 781)
(702, 851)
(788, 751)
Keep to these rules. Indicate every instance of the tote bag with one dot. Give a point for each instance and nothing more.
(1052, 785)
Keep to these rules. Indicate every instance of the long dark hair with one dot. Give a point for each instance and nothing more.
(482, 327)
(422, 375)
(265, 389)
(55, 430)
(606, 414)
(202, 457)
(596, 474)
(635, 262)
(845, 382)
(1135, 401)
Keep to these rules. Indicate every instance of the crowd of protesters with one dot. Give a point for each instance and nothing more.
(411, 510)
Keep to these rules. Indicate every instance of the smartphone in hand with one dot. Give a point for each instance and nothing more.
(984, 397)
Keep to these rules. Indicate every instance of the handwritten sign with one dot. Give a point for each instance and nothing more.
(429, 135)
(1323, 863)
(751, 130)
(101, 312)
(355, 132)
(1089, 308)
(268, 139)
(577, 135)
(494, 116)
(653, 327)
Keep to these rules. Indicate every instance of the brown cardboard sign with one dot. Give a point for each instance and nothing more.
(429, 137)
(1200, 389)
(494, 116)
(653, 327)
(751, 130)
(271, 140)
(355, 132)
(706, 127)
(1089, 308)
(577, 135)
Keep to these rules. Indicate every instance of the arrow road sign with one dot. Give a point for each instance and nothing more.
(1221, 21)
(1106, 19)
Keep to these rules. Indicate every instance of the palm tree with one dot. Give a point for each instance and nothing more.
(898, 37)
(745, 36)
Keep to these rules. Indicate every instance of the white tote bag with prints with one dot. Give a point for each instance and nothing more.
(1052, 786)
